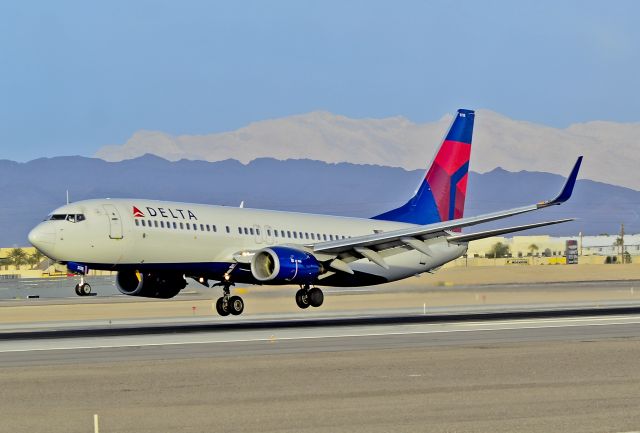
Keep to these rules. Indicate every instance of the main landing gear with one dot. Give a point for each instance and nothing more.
(227, 304)
(83, 288)
(307, 296)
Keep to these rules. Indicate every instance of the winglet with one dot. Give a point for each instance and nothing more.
(567, 189)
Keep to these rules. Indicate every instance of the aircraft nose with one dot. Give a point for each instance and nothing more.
(42, 237)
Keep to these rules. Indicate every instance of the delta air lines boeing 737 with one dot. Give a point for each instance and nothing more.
(154, 245)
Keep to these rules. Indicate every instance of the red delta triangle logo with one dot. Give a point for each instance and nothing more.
(137, 213)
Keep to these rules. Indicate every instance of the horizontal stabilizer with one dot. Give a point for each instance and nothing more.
(497, 232)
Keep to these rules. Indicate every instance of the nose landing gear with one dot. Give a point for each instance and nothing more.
(83, 288)
(307, 296)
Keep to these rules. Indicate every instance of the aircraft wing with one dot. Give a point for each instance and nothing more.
(369, 246)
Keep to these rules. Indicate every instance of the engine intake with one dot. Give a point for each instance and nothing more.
(150, 285)
(283, 265)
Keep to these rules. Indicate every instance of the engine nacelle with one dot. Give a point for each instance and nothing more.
(283, 265)
(150, 285)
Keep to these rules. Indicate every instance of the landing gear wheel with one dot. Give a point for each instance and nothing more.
(235, 305)
(316, 297)
(302, 298)
(85, 289)
(222, 307)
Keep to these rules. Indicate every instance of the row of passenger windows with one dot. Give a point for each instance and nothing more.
(291, 234)
(178, 226)
(251, 231)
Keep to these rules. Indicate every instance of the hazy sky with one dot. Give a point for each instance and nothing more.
(76, 75)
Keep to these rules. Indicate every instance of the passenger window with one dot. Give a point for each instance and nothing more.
(175, 225)
(295, 235)
(258, 232)
(240, 230)
(268, 232)
(202, 227)
(187, 226)
(251, 230)
(306, 235)
(275, 233)
(246, 232)
(181, 226)
(324, 236)
(214, 228)
(331, 237)
(161, 224)
(228, 229)
(137, 222)
(155, 223)
(143, 223)
(313, 237)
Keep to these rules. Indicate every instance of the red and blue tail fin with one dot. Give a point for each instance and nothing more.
(441, 194)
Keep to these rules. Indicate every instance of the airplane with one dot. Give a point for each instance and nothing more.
(155, 245)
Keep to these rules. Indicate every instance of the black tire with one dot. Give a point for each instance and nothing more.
(78, 292)
(236, 305)
(302, 298)
(220, 307)
(85, 289)
(316, 297)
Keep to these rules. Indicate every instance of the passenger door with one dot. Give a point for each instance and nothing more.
(115, 223)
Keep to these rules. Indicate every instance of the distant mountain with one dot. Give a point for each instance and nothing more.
(29, 191)
(611, 150)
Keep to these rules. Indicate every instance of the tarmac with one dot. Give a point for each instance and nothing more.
(565, 374)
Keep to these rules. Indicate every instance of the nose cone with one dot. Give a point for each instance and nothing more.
(43, 237)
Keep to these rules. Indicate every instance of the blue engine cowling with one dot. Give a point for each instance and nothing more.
(283, 265)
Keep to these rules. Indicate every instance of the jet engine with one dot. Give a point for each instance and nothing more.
(283, 265)
(150, 285)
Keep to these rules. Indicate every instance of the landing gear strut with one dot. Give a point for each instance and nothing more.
(227, 304)
(307, 296)
(83, 288)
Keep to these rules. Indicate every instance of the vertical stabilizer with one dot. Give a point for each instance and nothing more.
(441, 194)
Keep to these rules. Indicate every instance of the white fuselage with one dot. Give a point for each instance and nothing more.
(201, 240)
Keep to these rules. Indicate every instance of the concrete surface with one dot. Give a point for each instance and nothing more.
(533, 376)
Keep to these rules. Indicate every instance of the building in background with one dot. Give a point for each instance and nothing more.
(588, 249)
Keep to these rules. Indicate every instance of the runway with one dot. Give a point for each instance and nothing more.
(303, 337)
(499, 358)
(543, 374)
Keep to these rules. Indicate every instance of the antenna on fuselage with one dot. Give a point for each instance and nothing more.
(67, 196)
(242, 204)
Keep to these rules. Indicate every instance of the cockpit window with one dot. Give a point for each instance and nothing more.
(74, 218)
